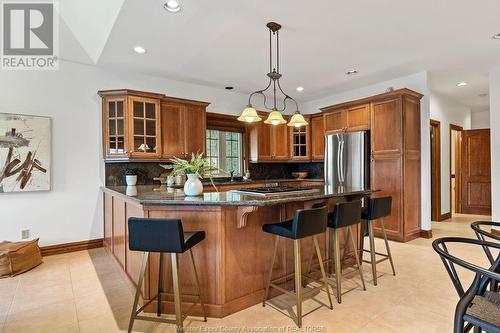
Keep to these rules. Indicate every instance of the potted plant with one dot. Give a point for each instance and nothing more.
(194, 169)
(131, 177)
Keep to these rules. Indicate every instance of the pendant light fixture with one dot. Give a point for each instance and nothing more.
(275, 117)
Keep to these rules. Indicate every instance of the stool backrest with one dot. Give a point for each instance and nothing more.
(155, 235)
(379, 207)
(345, 214)
(309, 222)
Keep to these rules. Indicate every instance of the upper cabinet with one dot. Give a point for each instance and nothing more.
(300, 142)
(317, 129)
(147, 126)
(269, 143)
(353, 118)
(183, 127)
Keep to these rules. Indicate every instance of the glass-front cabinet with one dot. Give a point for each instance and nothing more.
(131, 125)
(300, 143)
(144, 130)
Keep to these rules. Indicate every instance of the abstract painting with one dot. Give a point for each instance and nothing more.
(25, 153)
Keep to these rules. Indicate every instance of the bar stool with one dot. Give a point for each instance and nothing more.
(163, 236)
(378, 208)
(305, 223)
(345, 215)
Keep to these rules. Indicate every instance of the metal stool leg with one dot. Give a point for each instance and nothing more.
(198, 285)
(357, 257)
(323, 274)
(298, 280)
(161, 288)
(270, 271)
(372, 251)
(138, 291)
(177, 292)
(387, 246)
(338, 266)
(362, 241)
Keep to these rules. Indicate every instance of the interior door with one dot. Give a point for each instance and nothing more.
(476, 172)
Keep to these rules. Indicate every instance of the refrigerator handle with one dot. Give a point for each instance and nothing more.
(339, 176)
(342, 161)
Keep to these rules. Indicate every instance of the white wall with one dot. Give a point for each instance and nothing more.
(72, 210)
(417, 82)
(495, 142)
(480, 119)
(447, 112)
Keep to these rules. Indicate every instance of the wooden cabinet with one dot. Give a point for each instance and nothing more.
(395, 166)
(269, 143)
(183, 127)
(347, 118)
(139, 125)
(300, 142)
(131, 124)
(317, 128)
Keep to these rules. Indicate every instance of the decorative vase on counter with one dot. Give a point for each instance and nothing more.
(131, 180)
(193, 186)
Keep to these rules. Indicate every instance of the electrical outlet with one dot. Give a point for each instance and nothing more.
(25, 234)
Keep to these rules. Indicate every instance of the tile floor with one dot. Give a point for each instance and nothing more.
(83, 292)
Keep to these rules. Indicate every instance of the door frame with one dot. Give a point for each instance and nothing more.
(435, 150)
(458, 169)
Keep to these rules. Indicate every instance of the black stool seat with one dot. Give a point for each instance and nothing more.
(345, 214)
(161, 235)
(283, 229)
(305, 223)
(377, 208)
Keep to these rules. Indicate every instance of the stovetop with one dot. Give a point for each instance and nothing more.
(276, 190)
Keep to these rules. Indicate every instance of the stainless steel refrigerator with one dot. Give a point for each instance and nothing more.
(347, 160)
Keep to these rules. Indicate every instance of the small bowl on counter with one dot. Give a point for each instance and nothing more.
(299, 175)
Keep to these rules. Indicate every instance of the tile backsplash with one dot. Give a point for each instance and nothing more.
(146, 171)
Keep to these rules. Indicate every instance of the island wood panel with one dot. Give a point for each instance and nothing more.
(119, 233)
(108, 221)
(207, 254)
(317, 137)
(133, 258)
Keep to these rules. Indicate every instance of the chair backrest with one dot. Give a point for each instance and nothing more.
(482, 233)
(309, 222)
(345, 214)
(155, 235)
(379, 207)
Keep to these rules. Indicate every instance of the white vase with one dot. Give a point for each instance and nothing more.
(131, 180)
(193, 185)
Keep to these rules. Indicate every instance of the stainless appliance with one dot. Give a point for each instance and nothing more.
(347, 160)
(276, 191)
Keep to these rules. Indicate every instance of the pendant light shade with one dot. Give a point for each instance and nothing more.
(297, 120)
(275, 118)
(249, 115)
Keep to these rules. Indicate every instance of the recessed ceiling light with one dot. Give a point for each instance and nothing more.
(497, 36)
(139, 49)
(300, 89)
(172, 6)
(229, 88)
(461, 84)
(351, 72)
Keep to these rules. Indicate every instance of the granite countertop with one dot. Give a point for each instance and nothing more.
(259, 181)
(148, 195)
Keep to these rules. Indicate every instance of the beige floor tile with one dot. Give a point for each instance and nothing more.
(43, 318)
(33, 297)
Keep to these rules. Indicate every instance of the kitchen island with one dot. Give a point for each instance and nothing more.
(233, 260)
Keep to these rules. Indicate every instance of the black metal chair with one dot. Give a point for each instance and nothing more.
(163, 236)
(305, 223)
(481, 234)
(478, 307)
(377, 209)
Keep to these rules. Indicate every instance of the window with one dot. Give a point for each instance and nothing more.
(225, 151)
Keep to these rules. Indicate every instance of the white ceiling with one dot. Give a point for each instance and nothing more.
(225, 42)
